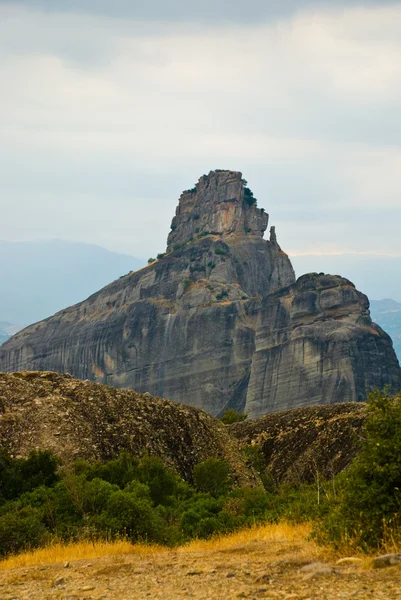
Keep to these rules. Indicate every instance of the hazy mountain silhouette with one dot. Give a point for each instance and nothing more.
(387, 313)
(40, 278)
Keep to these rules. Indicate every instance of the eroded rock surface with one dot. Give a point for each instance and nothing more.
(316, 344)
(219, 321)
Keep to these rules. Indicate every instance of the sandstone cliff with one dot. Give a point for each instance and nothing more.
(219, 321)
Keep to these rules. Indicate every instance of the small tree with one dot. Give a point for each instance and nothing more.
(370, 502)
(232, 416)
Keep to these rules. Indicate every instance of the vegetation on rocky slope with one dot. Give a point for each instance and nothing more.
(81, 460)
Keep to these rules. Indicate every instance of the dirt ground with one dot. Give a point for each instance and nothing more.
(281, 569)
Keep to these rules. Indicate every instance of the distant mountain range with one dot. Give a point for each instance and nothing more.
(7, 330)
(40, 278)
(387, 313)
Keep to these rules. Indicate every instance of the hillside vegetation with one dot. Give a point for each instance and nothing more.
(84, 461)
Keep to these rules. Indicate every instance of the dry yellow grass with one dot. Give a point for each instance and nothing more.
(280, 532)
(268, 558)
(76, 551)
(56, 553)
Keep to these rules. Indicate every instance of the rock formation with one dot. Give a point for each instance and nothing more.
(219, 321)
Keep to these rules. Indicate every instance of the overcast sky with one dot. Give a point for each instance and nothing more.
(110, 108)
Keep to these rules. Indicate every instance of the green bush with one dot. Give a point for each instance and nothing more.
(143, 500)
(162, 482)
(22, 475)
(118, 471)
(231, 416)
(253, 501)
(369, 493)
(132, 516)
(249, 197)
(151, 260)
(212, 476)
(21, 529)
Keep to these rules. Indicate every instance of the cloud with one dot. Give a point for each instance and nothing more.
(188, 10)
(104, 121)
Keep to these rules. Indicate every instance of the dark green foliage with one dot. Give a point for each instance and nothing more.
(202, 516)
(18, 476)
(232, 416)
(151, 260)
(21, 529)
(212, 476)
(222, 295)
(249, 197)
(132, 515)
(162, 483)
(368, 498)
(251, 502)
(161, 255)
(196, 217)
(139, 499)
(221, 251)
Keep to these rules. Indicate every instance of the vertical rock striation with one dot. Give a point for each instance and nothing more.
(219, 321)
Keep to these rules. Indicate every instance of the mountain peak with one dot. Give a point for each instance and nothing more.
(220, 203)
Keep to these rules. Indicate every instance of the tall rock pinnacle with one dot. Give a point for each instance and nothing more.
(219, 321)
(220, 203)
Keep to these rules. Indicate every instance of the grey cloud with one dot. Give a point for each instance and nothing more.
(102, 128)
(210, 10)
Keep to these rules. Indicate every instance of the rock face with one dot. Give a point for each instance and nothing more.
(219, 321)
(316, 344)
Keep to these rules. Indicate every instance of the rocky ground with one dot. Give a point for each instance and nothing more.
(280, 569)
(298, 444)
(81, 419)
